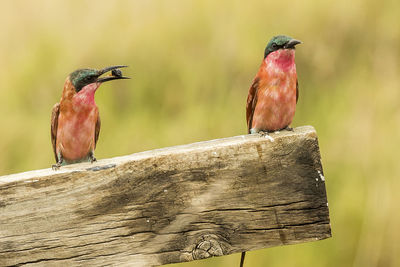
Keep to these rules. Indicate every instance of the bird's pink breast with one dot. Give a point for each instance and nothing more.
(76, 134)
(276, 96)
(76, 127)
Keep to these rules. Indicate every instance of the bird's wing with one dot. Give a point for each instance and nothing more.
(97, 130)
(251, 102)
(54, 125)
(297, 90)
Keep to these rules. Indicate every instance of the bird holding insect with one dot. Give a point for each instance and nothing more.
(75, 121)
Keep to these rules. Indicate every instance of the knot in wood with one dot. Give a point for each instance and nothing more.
(208, 247)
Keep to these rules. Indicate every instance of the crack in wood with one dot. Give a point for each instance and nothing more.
(48, 259)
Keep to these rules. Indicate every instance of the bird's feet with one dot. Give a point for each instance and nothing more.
(92, 157)
(266, 135)
(60, 160)
(288, 128)
(259, 132)
(263, 133)
(56, 166)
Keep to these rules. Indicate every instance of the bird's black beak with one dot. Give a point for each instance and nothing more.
(292, 43)
(115, 74)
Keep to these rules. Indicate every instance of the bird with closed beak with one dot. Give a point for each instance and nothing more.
(272, 97)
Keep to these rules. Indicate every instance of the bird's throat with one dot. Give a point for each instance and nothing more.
(280, 60)
(86, 95)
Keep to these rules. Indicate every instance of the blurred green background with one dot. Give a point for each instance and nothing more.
(191, 64)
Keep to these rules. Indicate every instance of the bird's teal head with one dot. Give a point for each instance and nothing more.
(280, 42)
(82, 77)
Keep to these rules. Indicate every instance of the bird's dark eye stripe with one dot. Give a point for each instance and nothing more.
(88, 78)
(276, 46)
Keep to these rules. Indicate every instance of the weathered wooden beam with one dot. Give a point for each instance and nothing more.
(168, 205)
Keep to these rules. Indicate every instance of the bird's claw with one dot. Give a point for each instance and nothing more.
(288, 128)
(92, 159)
(263, 133)
(56, 166)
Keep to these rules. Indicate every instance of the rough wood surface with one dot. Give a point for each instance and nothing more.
(168, 205)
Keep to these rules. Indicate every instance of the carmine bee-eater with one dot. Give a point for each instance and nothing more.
(272, 98)
(75, 121)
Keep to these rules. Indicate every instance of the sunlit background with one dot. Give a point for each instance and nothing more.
(191, 64)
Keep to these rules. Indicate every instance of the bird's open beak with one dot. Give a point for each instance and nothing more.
(115, 75)
(292, 43)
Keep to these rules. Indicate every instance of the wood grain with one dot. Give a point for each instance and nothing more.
(168, 205)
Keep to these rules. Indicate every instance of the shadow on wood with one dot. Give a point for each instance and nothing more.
(168, 205)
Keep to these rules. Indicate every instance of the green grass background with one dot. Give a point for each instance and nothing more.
(191, 64)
